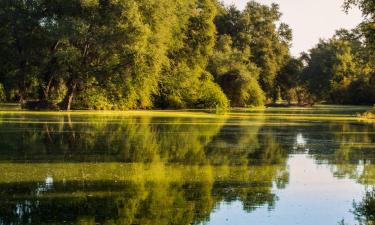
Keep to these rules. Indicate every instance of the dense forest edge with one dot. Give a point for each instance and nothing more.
(175, 54)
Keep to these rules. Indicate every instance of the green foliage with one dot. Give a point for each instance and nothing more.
(143, 54)
(366, 29)
(212, 97)
(254, 31)
(291, 84)
(92, 98)
(137, 55)
(340, 70)
(235, 74)
(2, 93)
(367, 6)
(185, 81)
(330, 70)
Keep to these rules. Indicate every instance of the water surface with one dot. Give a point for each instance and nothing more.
(275, 166)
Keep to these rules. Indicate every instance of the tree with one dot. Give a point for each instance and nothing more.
(330, 70)
(367, 27)
(185, 75)
(24, 43)
(139, 54)
(235, 74)
(291, 84)
(254, 30)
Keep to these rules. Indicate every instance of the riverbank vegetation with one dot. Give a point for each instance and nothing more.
(144, 54)
(368, 115)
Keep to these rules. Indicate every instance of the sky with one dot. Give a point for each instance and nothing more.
(310, 20)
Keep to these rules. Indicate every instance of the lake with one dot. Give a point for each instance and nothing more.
(278, 166)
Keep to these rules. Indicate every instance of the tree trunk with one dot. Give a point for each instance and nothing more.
(67, 102)
(22, 101)
(45, 91)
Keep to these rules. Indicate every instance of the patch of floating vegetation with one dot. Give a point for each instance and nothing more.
(319, 112)
(154, 172)
(369, 115)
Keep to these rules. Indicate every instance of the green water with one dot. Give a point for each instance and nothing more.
(273, 166)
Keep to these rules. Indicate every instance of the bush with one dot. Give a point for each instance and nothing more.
(253, 94)
(212, 97)
(360, 92)
(92, 98)
(174, 102)
(242, 89)
(40, 105)
(368, 115)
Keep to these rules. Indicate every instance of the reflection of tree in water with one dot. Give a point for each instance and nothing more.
(98, 171)
(184, 140)
(132, 139)
(106, 203)
(349, 147)
(141, 139)
(177, 195)
(233, 144)
(270, 151)
(349, 143)
(364, 211)
(252, 193)
(241, 144)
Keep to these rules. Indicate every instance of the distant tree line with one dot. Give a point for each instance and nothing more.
(143, 54)
(340, 70)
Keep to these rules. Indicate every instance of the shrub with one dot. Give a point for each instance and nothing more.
(242, 89)
(253, 94)
(174, 102)
(368, 115)
(212, 97)
(92, 98)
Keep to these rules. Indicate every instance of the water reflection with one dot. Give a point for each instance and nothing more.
(300, 141)
(157, 169)
(132, 193)
(364, 211)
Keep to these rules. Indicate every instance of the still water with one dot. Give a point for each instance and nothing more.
(273, 166)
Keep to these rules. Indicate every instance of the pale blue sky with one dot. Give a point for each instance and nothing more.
(311, 19)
